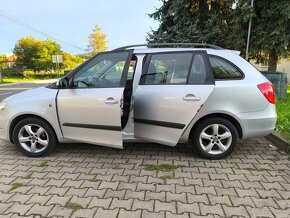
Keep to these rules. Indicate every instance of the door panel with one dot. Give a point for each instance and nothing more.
(162, 112)
(90, 109)
(91, 115)
(172, 88)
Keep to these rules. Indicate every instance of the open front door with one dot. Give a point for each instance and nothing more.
(171, 90)
(90, 110)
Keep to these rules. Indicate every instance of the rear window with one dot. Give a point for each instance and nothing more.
(223, 69)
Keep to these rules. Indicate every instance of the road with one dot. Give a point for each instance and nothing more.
(6, 91)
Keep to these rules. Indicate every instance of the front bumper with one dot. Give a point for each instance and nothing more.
(4, 125)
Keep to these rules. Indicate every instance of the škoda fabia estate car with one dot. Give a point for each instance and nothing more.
(159, 93)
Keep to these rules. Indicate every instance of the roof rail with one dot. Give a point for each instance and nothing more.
(193, 45)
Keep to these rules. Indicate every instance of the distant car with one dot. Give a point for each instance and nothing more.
(152, 93)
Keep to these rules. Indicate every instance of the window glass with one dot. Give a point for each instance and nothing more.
(105, 70)
(131, 69)
(223, 69)
(167, 69)
(198, 71)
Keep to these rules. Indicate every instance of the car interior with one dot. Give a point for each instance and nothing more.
(127, 95)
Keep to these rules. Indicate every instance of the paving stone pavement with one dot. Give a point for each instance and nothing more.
(79, 180)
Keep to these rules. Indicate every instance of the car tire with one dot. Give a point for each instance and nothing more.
(214, 138)
(34, 137)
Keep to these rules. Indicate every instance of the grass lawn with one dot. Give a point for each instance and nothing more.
(283, 111)
(20, 78)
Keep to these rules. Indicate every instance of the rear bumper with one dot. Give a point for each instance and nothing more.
(258, 124)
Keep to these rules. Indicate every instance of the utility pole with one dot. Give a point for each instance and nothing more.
(249, 34)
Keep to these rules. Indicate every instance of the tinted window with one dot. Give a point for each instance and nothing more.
(167, 69)
(198, 71)
(223, 69)
(105, 70)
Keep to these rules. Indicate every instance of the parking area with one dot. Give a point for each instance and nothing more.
(145, 180)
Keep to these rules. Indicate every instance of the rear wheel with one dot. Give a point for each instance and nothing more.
(215, 138)
(34, 137)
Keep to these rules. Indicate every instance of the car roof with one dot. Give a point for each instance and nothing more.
(208, 50)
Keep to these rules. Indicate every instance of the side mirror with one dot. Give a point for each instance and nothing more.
(62, 83)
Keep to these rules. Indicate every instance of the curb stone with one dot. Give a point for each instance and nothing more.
(279, 141)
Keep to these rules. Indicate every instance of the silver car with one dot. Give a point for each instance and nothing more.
(150, 93)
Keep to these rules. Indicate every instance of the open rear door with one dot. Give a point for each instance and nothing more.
(172, 89)
(90, 110)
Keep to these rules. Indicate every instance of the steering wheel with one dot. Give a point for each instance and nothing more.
(102, 82)
(83, 83)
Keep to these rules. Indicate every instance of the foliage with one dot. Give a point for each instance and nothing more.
(28, 73)
(15, 186)
(214, 22)
(270, 38)
(70, 61)
(192, 21)
(3, 59)
(37, 76)
(36, 54)
(162, 167)
(283, 112)
(97, 41)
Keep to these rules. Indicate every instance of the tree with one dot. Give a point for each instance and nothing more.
(3, 60)
(202, 21)
(36, 54)
(97, 41)
(214, 22)
(70, 61)
(270, 35)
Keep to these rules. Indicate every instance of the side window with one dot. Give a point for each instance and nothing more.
(167, 69)
(198, 72)
(104, 71)
(223, 69)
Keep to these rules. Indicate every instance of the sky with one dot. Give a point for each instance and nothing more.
(124, 21)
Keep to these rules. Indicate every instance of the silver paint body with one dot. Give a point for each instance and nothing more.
(240, 99)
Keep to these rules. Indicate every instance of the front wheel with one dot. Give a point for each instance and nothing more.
(34, 137)
(215, 138)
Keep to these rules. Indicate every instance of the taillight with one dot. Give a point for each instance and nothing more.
(267, 90)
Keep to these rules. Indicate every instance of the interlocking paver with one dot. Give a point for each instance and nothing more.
(235, 211)
(182, 208)
(59, 211)
(84, 213)
(116, 203)
(115, 194)
(105, 182)
(164, 206)
(59, 200)
(37, 209)
(21, 198)
(19, 208)
(144, 205)
(147, 214)
(211, 209)
(80, 201)
(100, 202)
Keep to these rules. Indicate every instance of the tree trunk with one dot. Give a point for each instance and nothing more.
(0, 76)
(273, 59)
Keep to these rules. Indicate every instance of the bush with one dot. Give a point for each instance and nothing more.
(28, 73)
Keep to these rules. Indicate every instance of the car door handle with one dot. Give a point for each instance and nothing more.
(111, 100)
(191, 97)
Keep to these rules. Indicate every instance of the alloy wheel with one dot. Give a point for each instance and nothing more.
(33, 138)
(215, 139)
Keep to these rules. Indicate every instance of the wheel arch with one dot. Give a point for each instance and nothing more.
(225, 116)
(23, 116)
